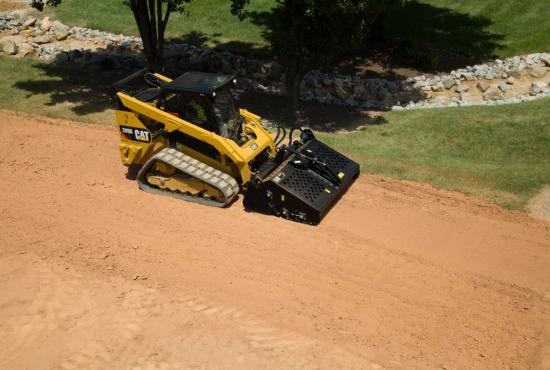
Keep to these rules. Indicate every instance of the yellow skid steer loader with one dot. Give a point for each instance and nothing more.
(188, 138)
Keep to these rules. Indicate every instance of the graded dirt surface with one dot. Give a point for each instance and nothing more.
(12, 5)
(95, 274)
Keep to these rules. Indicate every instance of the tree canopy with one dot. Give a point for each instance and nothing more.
(308, 34)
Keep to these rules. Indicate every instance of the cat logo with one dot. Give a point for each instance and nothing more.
(141, 135)
(135, 134)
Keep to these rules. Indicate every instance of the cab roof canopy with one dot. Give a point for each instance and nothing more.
(198, 82)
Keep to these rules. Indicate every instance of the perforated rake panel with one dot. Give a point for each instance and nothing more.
(335, 161)
(304, 185)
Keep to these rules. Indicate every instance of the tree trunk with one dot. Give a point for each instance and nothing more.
(151, 25)
(292, 82)
(378, 33)
(161, 28)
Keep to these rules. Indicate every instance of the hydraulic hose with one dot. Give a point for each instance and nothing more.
(278, 134)
(282, 137)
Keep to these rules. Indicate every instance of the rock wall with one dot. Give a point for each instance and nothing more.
(504, 81)
(513, 80)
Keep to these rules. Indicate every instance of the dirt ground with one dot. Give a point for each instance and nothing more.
(97, 274)
(539, 205)
(13, 5)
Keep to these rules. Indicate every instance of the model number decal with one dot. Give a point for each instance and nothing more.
(136, 134)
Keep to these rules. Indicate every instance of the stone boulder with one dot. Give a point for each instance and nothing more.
(29, 22)
(448, 82)
(493, 94)
(438, 87)
(61, 58)
(516, 72)
(42, 39)
(328, 81)
(25, 50)
(75, 54)
(47, 58)
(8, 46)
(199, 63)
(537, 88)
(490, 74)
(382, 94)
(359, 91)
(226, 66)
(46, 24)
(60, 30)
(61, 34)
(468, 76)
(340, 90)
(460, 88)
(483, 86)
(538, 71)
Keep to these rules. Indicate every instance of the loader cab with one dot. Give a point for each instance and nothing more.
(204, 99)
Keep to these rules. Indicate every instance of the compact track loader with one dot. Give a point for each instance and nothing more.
(187, 138)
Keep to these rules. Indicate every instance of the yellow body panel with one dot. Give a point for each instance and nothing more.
(135, 152)
(234, 159)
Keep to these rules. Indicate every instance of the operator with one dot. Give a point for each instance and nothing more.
(227, 117)
(196, 111)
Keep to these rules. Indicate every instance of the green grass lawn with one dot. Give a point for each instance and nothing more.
(513, 26)
(479, 28)
(210, 22)
(524, 24)
(48, 90)
(502, 153)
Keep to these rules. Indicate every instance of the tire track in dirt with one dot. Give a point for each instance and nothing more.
(255, 338)
(300, 352)
(50, 305)
(93, 356)
(64, 305)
